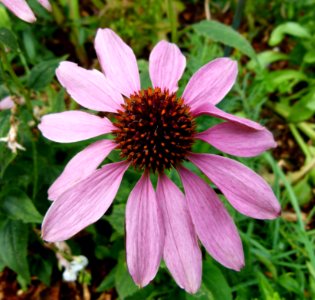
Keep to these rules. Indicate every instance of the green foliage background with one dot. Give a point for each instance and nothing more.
(275, 48)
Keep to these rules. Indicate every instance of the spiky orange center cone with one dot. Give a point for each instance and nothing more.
(155, 130)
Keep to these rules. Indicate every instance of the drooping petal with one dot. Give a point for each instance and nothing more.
(210, 83)
(73, 126)
(215, 228)
(21, 9)
(45, 4)
(118, 61)
(144, 230)
(239, 140)
(211, 110)
(83, 204)
(80, 167)
(181, 253)
(166, 65)
(243, 188)
(6, 103)
(89, 88)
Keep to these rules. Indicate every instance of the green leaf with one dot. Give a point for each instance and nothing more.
(8, 40)
(42, 268)
(42, 74)
(214, 281)
(123, 281)
(266, 58)
(290, 284)
(117, 218)
(226, 35)
(13, 248)
(18, 206)
(108, 281)
(291, 28)
(303, 109)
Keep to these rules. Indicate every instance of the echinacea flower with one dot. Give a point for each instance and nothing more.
(154, 130)
(22, 10)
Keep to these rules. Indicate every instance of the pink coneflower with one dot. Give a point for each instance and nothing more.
(154, 131)
(22, 10)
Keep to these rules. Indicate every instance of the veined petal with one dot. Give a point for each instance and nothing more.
(21, 9)
(73, 126)
(211, 110)
(144, 230)
(236, 139)
(210, 83)
(45, 4)
(118, 61)
(83, 204)
(215, 228)
(89, 88)
(81, 166)
(6, 103)
(182, 254)
(243, 188)
(166, 65)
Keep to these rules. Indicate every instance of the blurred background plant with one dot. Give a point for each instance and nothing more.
(274, 43)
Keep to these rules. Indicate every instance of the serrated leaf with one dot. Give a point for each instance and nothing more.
(42, 74)
(226, 35)
(214, 281)
(18, 206)
(8, 40)
(13, 248)
(291, 28)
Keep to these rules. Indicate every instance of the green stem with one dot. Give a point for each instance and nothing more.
(295, 204)
(75, 20)
(25, 93)
(236, 22)
(7, 66)
(300, 142)
(172, 19)
(306, 129)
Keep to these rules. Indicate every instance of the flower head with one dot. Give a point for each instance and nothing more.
(154, 130)
(21, 9)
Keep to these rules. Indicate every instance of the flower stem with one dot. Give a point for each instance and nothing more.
(172, 19)
(300, 141)
(236, 22)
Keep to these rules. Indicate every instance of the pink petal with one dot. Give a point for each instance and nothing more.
(83, 204)
(89, 88)
(118, 61)
(210, 83)
(211, 110)
(166, 65)
(215, 228)
(144, 229)
(239, 140)
(21, 9)
(73, 126)
(45, 4)
(80, 167)
(6, 103)
(245, 190)
(182, 254)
